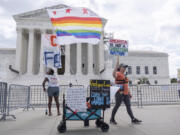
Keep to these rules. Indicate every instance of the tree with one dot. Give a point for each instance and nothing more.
(143, 80)
(173, 80)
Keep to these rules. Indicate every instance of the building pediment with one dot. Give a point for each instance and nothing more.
(41, 14)
(37, 14)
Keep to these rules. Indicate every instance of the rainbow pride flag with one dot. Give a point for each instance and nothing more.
(76, 25)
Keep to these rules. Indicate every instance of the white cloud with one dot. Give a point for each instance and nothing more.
(1, 10)
(8, 29)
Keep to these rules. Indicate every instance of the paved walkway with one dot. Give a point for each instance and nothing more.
(157, 120)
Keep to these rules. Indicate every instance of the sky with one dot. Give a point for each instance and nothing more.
(147, 24)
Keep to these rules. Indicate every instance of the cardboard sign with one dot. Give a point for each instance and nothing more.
(100, 93)
(118, 47)
(76, 99)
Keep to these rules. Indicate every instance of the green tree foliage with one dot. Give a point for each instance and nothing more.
(143, 80)
(173, 80)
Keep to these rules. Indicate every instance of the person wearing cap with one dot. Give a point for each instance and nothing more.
(123, 94)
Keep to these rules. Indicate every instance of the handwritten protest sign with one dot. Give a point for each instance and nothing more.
(76, 99)
(52, 53)
(118, 47)
(99, 92)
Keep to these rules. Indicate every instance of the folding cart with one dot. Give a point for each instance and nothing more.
(92, 113)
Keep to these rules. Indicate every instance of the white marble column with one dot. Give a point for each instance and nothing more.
(67, 60)
(19, 50)
(79, 59)
(101, 53)
(30, 51)
(90, 59)
(41, 70)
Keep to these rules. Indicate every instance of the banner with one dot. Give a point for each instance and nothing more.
(118, 47)
(51, 52)
(76, 25)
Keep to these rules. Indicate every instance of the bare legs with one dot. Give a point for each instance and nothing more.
(56, 98)
(50, 104)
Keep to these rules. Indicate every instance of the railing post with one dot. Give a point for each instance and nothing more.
(139, 96)
(28, 98)
(4, 100)
(9, 94)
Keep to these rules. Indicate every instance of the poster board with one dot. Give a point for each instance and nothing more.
(118, 47)
(51, 51)
(100, 90)
(76, 99)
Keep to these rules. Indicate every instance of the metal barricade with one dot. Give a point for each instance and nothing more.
(3, 100)
(136, 95)
(18, 97)
(154, 94)
(38, 98)
(159, 94)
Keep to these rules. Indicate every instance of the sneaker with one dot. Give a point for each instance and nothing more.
(136, 121)
(113, 122)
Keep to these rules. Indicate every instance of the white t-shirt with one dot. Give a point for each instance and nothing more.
(52, 81)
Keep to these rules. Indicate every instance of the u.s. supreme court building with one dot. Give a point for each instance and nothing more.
(80, 62)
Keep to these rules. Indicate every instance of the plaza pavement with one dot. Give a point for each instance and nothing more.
(157, 120)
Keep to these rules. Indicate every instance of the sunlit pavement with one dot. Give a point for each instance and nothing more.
(157, 120)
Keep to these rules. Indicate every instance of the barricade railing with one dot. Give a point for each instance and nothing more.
(136, 95)
(159, 94)
(38, 98)
(18, 97)
(3, 100)
(153, 94)
(135, 92)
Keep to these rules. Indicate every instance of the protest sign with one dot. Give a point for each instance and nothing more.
(99, 92)
(51, 51)
(118, 47)
(76, 99)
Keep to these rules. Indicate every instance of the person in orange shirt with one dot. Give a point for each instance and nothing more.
(123, 94)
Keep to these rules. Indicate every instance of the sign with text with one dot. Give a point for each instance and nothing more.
(118, 47)
(51, 51)
(100, 93)
(76, 99)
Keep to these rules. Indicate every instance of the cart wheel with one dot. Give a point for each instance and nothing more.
(104, 127)
(61, 127)
(98, 123)
(86, 123)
